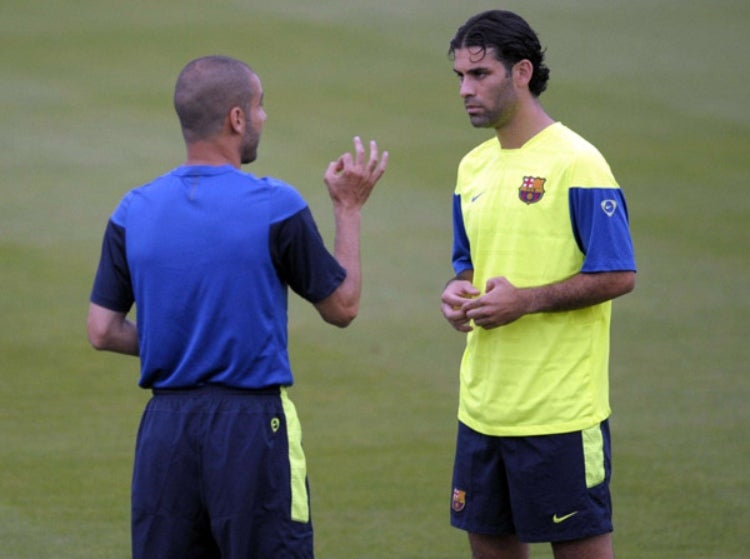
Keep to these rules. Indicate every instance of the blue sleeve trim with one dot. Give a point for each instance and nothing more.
(301, 258)
(601, 229)
(461, 256)
(113, 287)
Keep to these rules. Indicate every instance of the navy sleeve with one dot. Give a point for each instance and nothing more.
(112, 285)
(600, 225)
(301, 258)
(461, 249)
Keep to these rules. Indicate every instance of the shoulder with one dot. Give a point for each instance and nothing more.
(120, 215)
(479, 154)
(586, 164)
(285, 200)
(138, 194)
(575, 145)
(477, 160)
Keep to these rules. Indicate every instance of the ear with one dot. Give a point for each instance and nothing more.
(522, 72)
(237, 120)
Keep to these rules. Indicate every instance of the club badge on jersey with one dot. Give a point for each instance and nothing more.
(531, 190)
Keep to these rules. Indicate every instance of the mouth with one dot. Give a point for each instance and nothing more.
(473, 109)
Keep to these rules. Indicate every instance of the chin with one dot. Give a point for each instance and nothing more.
(248, 158)
(480, 123)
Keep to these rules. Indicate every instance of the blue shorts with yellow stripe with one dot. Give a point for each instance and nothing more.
(546, 488)
(220, 473)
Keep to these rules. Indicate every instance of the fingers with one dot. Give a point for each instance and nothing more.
(376, 164)
(456, 295)
(464, 327)
(359, 151)
(381, 166)
(373, 162)
(351, 178)
(456, 318)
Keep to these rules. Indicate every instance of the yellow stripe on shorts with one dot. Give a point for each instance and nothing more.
(300, 503)
(593, 454)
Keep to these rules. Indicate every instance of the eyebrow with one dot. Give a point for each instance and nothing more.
(473, 70)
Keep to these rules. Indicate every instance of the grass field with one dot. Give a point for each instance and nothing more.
(85, 114)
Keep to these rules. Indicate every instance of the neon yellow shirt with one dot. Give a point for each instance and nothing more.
(537, 215)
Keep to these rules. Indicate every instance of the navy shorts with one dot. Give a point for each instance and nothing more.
(220, 473)
(547, 488)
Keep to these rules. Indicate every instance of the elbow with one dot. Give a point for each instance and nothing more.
(343, 318)
(626, 283)
(629, 283)
(111, 331)
(338, 310)
(97, 338)
(98, 334)
(97, 342)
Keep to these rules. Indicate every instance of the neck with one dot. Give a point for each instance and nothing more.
(206, 152)
(529, 120)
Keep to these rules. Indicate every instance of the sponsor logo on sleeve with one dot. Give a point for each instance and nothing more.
(609, 207)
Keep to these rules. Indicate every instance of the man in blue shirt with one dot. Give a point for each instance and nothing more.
(206, 253)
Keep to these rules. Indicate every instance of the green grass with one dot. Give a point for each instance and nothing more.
(659, 87)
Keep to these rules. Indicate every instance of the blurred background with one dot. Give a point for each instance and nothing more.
(659, 87)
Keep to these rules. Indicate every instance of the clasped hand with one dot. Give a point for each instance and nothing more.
(500, 304)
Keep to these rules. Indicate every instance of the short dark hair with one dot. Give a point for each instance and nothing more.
(512, 39)
(206, 90)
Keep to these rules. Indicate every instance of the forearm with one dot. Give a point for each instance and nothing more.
(503, 303)
(577, 292)
(120, 339)
(111, 331)
(342, 306)
(347, 252)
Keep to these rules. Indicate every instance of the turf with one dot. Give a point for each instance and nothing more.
(659, 87)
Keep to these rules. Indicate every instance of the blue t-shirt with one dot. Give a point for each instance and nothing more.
(206, 254)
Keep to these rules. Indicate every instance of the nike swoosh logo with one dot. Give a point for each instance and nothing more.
(474, 198)
(560, 519)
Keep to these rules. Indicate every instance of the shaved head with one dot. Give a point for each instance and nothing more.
(206, 91)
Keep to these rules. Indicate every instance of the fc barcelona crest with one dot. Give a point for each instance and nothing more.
(459, 500)
(532, 190)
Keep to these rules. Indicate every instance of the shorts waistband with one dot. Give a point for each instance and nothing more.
(217, 389)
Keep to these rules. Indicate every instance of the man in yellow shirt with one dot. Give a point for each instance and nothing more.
(541, 247)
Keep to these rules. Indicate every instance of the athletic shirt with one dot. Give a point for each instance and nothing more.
(206, 254)
(538, 215)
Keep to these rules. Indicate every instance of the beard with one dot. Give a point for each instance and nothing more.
(483, 120)
(249, 146)
(495, 117)
(496, 113)
(249, 155)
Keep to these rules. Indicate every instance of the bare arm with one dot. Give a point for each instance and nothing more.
(350, 180)
(112, 331)
(503, 303)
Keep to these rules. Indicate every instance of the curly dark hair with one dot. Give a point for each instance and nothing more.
(510, 37)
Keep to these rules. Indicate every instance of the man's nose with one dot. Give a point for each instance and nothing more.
(466, 89)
